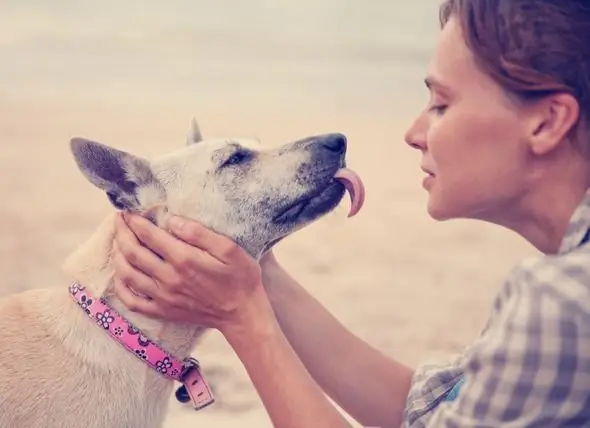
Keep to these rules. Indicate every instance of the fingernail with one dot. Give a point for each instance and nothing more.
(176, 223)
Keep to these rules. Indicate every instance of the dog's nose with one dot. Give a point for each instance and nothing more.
(335, 143)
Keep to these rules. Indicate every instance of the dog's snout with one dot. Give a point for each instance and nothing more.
(335, 143)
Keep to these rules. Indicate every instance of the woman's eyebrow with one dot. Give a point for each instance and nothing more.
(432, 82)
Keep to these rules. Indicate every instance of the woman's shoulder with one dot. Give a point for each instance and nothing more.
(549, 289)
(565, 276)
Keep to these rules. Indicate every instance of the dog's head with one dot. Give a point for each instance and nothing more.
(234, 187)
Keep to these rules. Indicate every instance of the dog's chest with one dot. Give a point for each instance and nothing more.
(122, 412)
(67, 373)
(111, 406)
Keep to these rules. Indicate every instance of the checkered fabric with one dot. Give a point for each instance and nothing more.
(530, 367)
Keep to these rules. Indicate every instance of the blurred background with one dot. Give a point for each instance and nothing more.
(132, 74)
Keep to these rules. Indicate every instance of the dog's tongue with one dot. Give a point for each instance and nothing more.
(354, 185)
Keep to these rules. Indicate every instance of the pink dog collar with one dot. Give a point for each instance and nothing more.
(187, 371)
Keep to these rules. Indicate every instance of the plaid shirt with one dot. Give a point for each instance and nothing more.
(530, 367)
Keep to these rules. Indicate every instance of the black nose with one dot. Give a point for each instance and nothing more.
(335, 143)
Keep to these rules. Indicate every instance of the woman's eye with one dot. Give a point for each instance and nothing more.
(438, 108)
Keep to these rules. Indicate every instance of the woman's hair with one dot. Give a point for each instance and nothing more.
(532, 48)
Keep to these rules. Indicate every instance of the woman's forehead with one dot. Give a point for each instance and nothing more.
(453, 64)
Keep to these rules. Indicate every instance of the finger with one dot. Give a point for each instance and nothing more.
(133, 278)
(124, 231)
(136, 303)
(219, 246)
(157, 239)
(139, 256)
(186, 259)
(172, 293)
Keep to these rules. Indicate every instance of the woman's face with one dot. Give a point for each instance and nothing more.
(471, 136)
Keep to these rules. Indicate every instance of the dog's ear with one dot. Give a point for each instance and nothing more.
(116, 172)
(194, 135)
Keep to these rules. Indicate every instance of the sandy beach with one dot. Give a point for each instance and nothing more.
(412, 287)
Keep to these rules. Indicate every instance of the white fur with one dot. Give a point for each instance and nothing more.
(58, 370)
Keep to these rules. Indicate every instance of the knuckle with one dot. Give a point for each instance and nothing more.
(193, 232)
(131, 256)
(125, 276)
(230, 249)
(127, 250)
(143, 234)
(170, 300)
(221, 270)
(184, 264)
(175, 283)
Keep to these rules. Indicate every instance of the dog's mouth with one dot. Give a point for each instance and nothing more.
(326, 198)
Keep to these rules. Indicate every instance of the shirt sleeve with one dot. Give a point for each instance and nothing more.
(532, 367)
(430, 384)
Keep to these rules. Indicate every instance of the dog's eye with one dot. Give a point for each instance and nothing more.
(237, 158)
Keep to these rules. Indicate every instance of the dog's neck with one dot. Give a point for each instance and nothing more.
(91, 266)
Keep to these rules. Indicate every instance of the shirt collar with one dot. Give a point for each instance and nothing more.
(578, 226)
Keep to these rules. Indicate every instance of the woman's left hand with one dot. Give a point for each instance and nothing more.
(191, 275)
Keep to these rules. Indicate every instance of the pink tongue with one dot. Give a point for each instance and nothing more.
(354, 185)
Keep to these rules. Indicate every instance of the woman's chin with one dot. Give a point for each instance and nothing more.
(439, 215)
(441, 211)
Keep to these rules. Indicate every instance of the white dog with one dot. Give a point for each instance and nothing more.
(63, 356)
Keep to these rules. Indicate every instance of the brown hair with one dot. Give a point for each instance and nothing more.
(532, 48)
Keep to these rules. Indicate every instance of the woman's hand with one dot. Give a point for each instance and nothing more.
(190, 275)
(205, 279)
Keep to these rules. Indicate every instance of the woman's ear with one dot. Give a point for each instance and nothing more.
(552, 119)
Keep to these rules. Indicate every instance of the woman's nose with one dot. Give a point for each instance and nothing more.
(415, 136)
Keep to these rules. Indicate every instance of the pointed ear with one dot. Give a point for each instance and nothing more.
(118, 173)
(194, 135)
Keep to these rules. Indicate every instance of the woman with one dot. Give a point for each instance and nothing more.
(504, 139)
